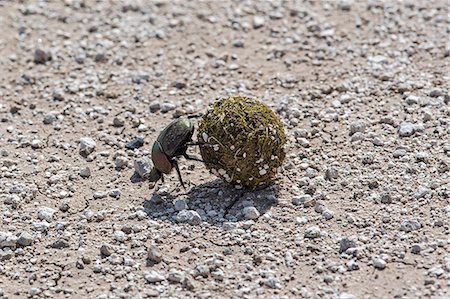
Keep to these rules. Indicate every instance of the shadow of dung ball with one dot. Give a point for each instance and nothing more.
(246, 141)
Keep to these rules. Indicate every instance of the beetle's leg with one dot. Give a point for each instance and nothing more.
(162, 178)
(175, 164)
(189, 157)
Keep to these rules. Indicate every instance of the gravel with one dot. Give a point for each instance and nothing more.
(87, 146)
(359, 209)
(143, 166)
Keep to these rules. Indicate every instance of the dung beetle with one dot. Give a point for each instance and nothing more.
(172, 142)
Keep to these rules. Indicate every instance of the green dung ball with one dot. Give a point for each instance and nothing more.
(244, 141)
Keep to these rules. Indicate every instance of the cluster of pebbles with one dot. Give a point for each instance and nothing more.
(361, 205)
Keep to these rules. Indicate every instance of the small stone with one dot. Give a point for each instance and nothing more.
(7, 240)
(422, 192)
(154, 254)
(416, 249)
(118, 122)
(233, 67)
(327, 214)
(114, 193)
(386, 198)
(412, 100)
(436, 93)
(36, 143)
(166, 107)
(59, 244)
(358, 136)
(251, 213)
(154, 106)
(352, 266)
(238, 43)
(378, 263)
(357, 126)
(258, 22)
(179, 85)
(345, 5)
(49, 118)
(175, 276)
(345, 243)
(45, 213)
(153, 277)
(100, 57)
(87, 146)
(410, 225)
(399, 152)
(41, 56)
(85, 172)
(422, 157)
(34, 292)
(107, 249)
(346, 296)
(406, 129)
(180, 205)
(121, 162)
(25, 239)
(120, 236)
(312, 232)
(100, 194)
(143, 166)
(331, 173)
(306, 200)
(189, 216)
(135, 143)
(64, 207)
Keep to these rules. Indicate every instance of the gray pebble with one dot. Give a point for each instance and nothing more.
(46, 213)
(87, 146)
(346, 296)
(312, 232)
(60, 244)
(7, 240)
(327, 214)
(305, 200)
(345, 243)
(154, 254)
(114, 193)
(49, 118)
(258, 22)
(378, 263)
(25, 239)
(166, 107)
(180, 204)
(85, 172)
(107, 249)
(41, 56)
(406, 129)
(100, 194)
(189, 216)
(143, 166)
(153, 277)
(410, 225)
(250, 213)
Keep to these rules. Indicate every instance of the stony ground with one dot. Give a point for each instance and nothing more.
(360, 208)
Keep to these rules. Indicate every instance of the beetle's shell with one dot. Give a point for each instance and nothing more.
(174, 137)
(160, 160)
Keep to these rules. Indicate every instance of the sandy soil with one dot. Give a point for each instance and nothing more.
(360, 208)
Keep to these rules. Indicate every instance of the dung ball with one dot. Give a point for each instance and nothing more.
(244, 141)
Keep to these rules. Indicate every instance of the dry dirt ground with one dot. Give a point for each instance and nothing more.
(360, 208)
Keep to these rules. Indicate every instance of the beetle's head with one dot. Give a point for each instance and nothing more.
(154, 175)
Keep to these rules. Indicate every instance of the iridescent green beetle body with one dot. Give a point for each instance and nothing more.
(171, 143)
